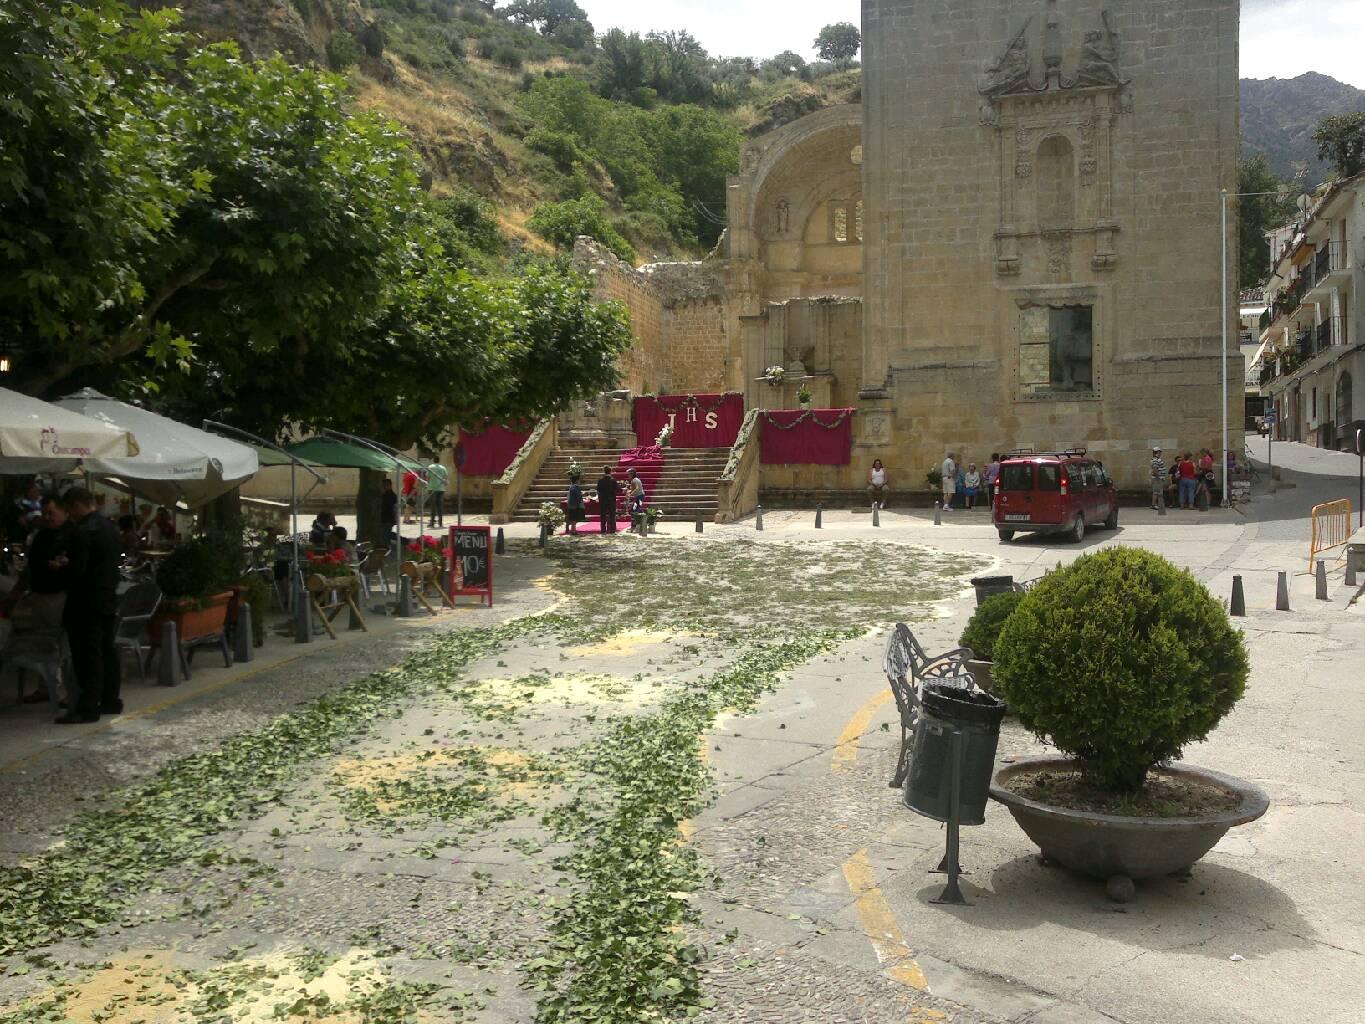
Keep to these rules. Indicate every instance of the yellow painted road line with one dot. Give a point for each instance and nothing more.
(846, 747)
(879, 924)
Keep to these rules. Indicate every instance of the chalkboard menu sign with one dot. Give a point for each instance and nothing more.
(471, 562)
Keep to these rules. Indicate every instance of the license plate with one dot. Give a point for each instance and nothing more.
(1017, 518)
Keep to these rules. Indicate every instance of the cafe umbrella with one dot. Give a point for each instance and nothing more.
(39, 437)
(176, 462)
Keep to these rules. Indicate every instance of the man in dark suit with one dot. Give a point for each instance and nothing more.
(91, 606)
(607, 489)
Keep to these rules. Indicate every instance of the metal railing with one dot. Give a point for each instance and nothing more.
(1330, 258)
(1331, 528)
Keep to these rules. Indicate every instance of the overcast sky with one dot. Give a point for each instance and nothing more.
(1280, 38)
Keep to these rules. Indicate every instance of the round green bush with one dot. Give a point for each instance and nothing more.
(1120, 660)
(983, 630)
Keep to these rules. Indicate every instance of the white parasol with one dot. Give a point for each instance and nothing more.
(177, 462)
(39, 437)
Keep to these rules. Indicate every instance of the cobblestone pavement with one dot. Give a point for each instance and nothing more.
(406, 856)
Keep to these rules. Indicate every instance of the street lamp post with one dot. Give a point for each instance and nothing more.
(1223, 334)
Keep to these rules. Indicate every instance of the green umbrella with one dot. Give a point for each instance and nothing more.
(327, 451)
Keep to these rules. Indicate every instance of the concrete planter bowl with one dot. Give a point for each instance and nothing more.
(981, 672)
(1121, 849)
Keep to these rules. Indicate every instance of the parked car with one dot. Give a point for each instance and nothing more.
(1054, 492)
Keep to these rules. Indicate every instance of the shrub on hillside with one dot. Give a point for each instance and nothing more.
(342, 50)
(562, 223)
(983, 630)
(1120, 659)
(507, 56)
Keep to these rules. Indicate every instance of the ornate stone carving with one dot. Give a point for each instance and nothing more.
(1058, 254)
(782, 217)
(1005, 74)
(1100, 57)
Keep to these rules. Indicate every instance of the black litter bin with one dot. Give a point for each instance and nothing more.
(989, 586)
(928, 789)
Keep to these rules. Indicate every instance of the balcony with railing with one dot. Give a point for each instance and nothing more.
(1329, 262)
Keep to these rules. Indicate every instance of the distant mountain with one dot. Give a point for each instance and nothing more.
(1279, 115)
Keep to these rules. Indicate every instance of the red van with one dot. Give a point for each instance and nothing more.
(1054, 492)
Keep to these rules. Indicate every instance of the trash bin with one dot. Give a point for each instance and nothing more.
(928, 789)
(989, 586)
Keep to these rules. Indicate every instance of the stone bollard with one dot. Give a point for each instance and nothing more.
(1282, 593)
(819, 517)
(541, 542)
(700, 527)
(1161, 506)
(501, 547)
(1239, 599)
(168, 665)
(938, 512)
(1322, 581)
(876, 516)
(303, 614)
(244, 638)
(758, 518)
(404, 609)
(1351, 572)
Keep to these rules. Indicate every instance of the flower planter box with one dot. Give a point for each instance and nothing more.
(209, 619)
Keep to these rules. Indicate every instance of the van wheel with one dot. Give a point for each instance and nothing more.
(1007, 535)
(1112, 523)
(1078, 531)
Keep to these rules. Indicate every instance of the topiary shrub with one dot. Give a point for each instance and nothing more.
(983, 630)
(1120, 660)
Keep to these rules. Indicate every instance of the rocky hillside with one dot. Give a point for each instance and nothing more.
(1279, 115)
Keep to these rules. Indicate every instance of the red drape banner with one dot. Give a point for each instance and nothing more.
(699, 421)
(815, 437)
(648, 464)
(490, 451)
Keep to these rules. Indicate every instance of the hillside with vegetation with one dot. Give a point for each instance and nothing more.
(1280, 115)
(561, 128)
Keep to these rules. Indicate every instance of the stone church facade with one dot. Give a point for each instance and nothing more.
(1014, 242)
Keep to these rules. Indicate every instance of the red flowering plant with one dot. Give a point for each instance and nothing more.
(426, 549)
(330, 564)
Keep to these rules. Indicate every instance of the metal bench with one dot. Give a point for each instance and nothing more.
(908, 668)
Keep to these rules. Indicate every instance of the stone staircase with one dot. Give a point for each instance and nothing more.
(686, 489)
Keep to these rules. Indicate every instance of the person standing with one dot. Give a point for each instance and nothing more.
(437, 479)
(388, 512)
(91, 607)
(574, 512)
(1158, 479)
(409, 495)
(607, 490)
(1189, 482)
(876, 484)
(949, 483)
(992, 477)
(42, 584)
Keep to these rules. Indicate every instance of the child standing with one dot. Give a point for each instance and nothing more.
(575, 513)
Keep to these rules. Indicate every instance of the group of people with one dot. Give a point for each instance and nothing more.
(70, 583)
(425, 490)
(1186, 483)
(607, 489)
(964, 487)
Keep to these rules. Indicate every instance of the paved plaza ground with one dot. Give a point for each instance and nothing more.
(660, 765)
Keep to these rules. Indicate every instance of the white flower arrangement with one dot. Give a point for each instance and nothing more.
(775, 375)
(665, 438)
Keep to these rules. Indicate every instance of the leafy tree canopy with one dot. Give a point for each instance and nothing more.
(1341, 142)
(839, 42)
(548, 15)
(1257, 215)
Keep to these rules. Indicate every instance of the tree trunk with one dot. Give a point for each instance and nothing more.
(367, 506)
(221, 519)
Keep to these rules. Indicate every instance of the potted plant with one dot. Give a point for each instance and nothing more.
(983, 632)
(652, 516)
(575, 471)
(935, 480)
(551, 517)
(665, 437)
(195, 581)
(803, 397)
(1119, 660)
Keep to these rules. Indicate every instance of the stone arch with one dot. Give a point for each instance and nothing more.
(1055, 183)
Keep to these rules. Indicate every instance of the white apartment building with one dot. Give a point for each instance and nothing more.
(1311, 363)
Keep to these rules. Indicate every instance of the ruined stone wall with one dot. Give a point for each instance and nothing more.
(645, 368)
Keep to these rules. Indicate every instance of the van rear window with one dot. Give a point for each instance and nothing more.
(1049, 477)
(1016, 477)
